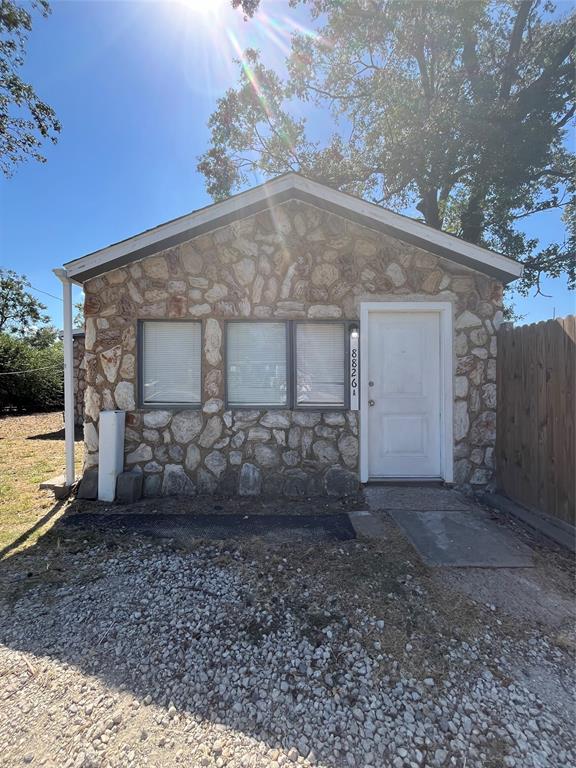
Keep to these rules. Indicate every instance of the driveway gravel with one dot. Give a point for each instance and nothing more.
(130, 652)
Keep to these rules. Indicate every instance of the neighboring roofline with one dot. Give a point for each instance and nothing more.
(288, 187)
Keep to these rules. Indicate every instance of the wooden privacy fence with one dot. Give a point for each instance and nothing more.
(535, 444)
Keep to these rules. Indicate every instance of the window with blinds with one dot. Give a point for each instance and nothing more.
(256, 364)
(320, 357)
(171, 362)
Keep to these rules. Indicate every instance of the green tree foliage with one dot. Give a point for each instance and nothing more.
(78, 319)
(249, 7)
(457, 109)
(20, 312)
(42, 338)
(25, 120)
(39, 384)
(31, 355)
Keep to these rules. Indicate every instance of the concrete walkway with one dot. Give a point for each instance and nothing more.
(447, 529)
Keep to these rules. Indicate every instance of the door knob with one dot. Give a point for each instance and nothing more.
(371, 402)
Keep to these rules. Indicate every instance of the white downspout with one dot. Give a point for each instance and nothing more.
(68, 374)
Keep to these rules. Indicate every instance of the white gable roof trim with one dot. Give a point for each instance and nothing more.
(288, 187)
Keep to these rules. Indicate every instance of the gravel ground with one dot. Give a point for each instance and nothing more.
(119, 652)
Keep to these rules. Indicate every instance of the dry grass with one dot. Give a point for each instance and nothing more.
(31, 451)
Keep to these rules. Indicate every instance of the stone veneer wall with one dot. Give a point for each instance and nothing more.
(293, 261)
(79, 377)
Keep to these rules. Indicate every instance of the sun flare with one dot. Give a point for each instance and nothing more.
(205, 8)
(213, 38)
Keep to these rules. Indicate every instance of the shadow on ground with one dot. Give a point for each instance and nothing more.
(59, 434)
(186, 529)
(42, 521)
(221, 635)
(147, 649)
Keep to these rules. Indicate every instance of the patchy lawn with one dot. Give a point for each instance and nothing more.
(31, 451)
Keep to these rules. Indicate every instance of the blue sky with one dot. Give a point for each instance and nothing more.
(134, 84)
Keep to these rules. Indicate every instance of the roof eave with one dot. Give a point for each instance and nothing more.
(287, 187)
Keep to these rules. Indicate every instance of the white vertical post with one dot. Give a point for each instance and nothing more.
(68, 374)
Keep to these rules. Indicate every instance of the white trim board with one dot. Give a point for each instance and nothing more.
(287, 187)
(444, 308)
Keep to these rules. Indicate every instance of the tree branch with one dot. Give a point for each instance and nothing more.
(428, 207)
(562, 122)
(555, 172)
(470, 58)
(539, 210)
(526, 97)
(420, 57)
(509, 72)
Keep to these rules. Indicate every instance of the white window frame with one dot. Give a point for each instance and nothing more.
(288, 357)
(165, 406)
(296, 406)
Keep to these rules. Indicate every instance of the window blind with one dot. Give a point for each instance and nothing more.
(320, 353)
(256, 363)
(171, 363)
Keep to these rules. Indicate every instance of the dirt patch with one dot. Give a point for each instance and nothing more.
(543, 595)
(530, 595)
(274, 529)
(236, 505)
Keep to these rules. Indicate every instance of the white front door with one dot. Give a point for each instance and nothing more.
(404, 395)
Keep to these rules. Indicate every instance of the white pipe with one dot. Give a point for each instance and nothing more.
(68, 374)
(110, 452)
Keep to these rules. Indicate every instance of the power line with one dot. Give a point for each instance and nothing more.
(29, 370)
(46, 292)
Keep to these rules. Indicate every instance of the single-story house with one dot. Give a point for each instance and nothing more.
(294, 340)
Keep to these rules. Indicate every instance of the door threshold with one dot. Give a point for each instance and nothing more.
(431, 482)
